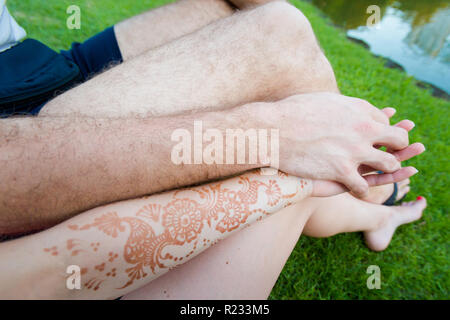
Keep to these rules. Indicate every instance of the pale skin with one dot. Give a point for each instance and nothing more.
(138, 240)
(234, 268)
(224, 74)
(123, 246)
(289, 215)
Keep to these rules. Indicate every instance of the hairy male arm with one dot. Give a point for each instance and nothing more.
(120, 247)
(53, 168)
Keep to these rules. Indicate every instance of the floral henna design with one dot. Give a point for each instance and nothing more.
(183, 220)
(236, 212)
(273, 193)
(187, 223)
(151, 211)
(109, 223)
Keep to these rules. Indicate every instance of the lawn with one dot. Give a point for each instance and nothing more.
(416, 265)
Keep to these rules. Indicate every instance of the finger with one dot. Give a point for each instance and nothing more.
(379, 115)
(410, 151)
(408, 125)
(374, 112)
(392, 137)
(389, 112)
(381, 160)
(323, 188)
(386, 178)
(356, 184)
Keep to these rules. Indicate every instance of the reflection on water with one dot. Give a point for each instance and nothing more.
(413, 33)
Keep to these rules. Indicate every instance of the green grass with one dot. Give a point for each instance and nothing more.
(416, 265)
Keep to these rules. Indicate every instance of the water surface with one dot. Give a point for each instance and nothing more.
(413, 33)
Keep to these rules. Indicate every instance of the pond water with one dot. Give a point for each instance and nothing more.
(412, 33)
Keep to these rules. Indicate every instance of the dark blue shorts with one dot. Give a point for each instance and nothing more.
(95, 54)
(91, 57)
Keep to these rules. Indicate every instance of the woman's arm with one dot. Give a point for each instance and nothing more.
(122, 246)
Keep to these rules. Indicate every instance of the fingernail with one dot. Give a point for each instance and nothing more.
(419, 198)
(414, 170)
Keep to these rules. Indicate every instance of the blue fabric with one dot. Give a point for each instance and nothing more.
(95, 54)
(29, 73)
(33, 60)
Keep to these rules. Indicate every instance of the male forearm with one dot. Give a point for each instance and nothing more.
(115, 249)
(52, 168)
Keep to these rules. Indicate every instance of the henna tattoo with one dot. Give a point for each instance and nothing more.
(72, 244)
(188, 224)
(93, 284)
(151, 211)
(111, 273)
(112, 256)
(100, 267)
(52, 250)
(95, 245)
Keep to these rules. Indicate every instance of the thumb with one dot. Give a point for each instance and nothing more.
(356, 184)
(325, 188)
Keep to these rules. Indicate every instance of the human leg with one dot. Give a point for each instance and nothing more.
(266, 53)
(157, 27)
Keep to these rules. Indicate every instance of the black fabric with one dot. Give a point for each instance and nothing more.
(391, 200)
(30, 74)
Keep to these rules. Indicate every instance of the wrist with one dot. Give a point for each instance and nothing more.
(260, 133)
(217, 128)
(256, 115)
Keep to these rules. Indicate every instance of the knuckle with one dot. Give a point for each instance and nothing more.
(363, 103)
(345, 170)
(404, 136)
(352, 148)
(360, 189)
(383, 118)
(365, 127)
(401, 136)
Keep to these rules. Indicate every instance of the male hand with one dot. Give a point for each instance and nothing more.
(327, 136)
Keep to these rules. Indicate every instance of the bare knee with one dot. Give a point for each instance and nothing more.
(291, 42)
(283, 25)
